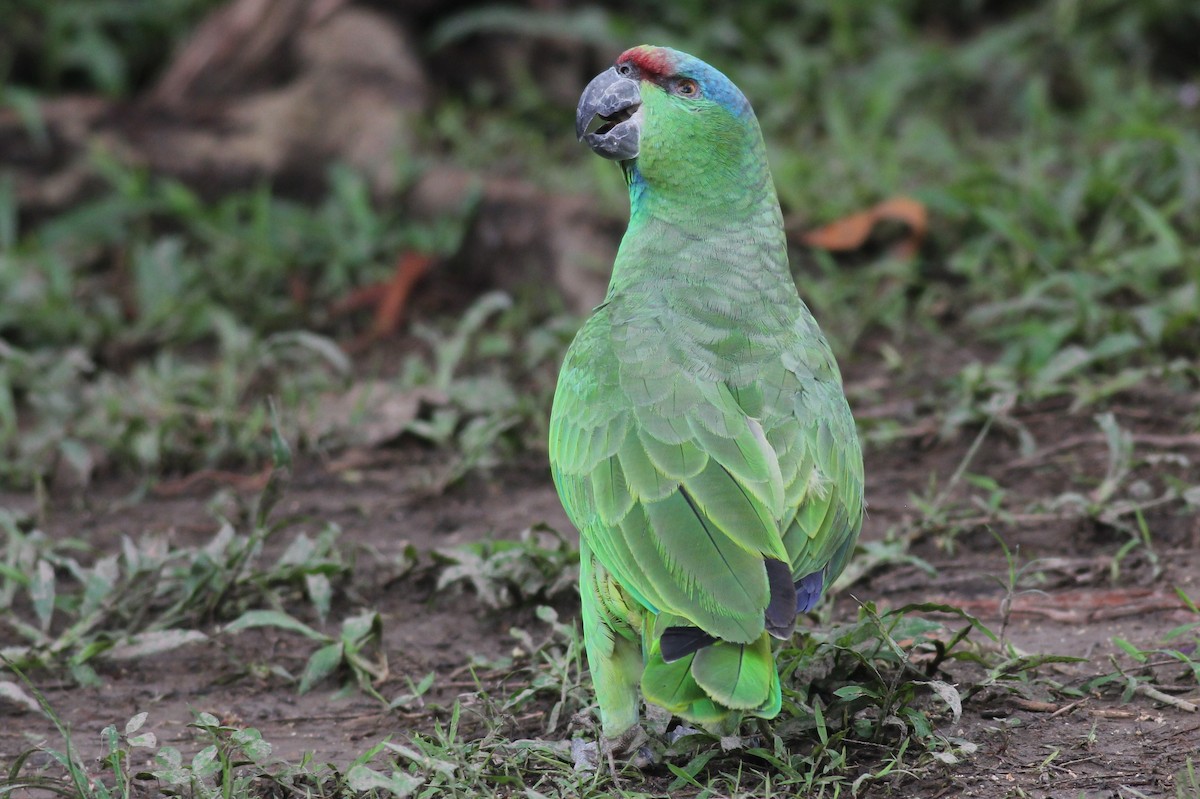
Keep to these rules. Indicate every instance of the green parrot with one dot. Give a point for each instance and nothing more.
(700, 439)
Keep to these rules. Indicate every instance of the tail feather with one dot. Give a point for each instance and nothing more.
(716, 685)
(670, 683)
(808, 591)
(679, 642)
(780, 615)
(736, 675)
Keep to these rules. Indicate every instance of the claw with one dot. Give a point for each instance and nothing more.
(630, 744)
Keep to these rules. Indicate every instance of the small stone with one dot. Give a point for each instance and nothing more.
(682, 731)
(585, 755)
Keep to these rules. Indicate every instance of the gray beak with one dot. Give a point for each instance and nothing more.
(607, 118)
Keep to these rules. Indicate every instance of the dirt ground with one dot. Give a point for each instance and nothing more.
(1104, 746)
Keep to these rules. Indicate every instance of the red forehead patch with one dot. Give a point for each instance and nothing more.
(650, 61)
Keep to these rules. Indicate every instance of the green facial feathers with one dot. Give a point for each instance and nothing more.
(700, 439)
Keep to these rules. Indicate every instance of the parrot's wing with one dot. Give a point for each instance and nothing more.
(675, 488)
(811, 429)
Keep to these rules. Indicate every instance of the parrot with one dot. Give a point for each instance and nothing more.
(700, 438)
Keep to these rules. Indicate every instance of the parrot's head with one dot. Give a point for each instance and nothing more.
(664, 109)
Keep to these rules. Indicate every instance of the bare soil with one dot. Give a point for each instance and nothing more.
(1040, 744)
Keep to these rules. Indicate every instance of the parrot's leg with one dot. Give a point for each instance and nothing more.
(613, 648)
(614, 656)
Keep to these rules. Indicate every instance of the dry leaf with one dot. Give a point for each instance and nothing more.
(851, 232)
(371, 413)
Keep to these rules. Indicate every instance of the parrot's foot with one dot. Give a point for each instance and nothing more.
(585, 754)
(630, 745)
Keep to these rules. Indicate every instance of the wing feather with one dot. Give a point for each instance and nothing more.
(682, 494)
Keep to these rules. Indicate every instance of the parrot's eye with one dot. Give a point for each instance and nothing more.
(686, 87)
(624, 69)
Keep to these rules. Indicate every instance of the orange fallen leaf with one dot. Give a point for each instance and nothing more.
(390, 299)
(851, 232)
(410, 268)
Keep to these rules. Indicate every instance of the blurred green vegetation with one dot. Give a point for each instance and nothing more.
(113, 46)
(1056, 146)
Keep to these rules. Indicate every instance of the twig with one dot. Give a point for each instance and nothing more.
(1068, 708)
(1075, 607)
(1158, 696)
(1079, 760)
(1111, 713)
(334, 717)
(1004, 518)
(256, 481)
(1149, 439)
(1110, 516)
(1034, 705)
(963, 464)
